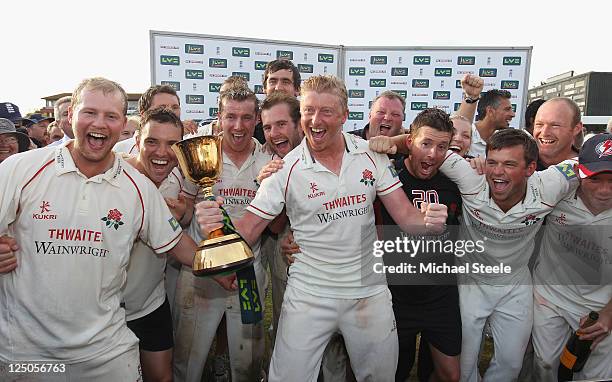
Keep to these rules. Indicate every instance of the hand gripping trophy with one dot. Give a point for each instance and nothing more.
(225, 251)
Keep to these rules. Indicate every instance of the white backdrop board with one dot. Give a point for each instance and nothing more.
(197, 65)
(429, 77)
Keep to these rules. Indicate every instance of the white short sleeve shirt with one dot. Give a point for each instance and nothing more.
(508, 237)
(144, 289)
(75, 235)
(574, 270)
(332, 217)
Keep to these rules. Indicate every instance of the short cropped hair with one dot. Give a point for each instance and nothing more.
(278, 98)
(238, 93)
(389, 94)
(144, 103)
(327, 84)
(276, 65)
(234, 81)
(435, 118)
(160, 115)
(98, 83)
(502, 139)
(491, 98)
(136, 119)
(59, 103)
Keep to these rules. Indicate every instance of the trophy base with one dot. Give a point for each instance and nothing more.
(222, 255)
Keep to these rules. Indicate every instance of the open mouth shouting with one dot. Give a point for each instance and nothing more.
(318, 134)
(239, 138)
(96, 140)
(159, 163)
(427, 168)
(385, 129)
(500, 185)
(159, 169)
(282, 145)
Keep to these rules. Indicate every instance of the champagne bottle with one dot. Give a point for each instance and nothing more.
(576, 351)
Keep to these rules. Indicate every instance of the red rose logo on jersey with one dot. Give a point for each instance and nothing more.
(530, 220)
(562, 219)
(367, 178)
(604, 148)
(113, 219)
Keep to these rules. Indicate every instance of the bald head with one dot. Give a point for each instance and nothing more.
(556, 126)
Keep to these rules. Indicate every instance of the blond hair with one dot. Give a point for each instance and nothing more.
(98, 83)
(327, 84)
(136, 120)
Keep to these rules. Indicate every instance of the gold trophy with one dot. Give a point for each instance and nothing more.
(225, 251)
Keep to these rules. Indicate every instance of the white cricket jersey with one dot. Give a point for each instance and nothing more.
(75, 235)
(508, 237)
(478, 148)
(238, 187)
(127, 146)
(144, 290)
(332, 218)
(576, 249)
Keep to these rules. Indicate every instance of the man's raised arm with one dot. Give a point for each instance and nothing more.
(472, 87)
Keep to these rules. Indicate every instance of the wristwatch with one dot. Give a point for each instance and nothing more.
(469, 99)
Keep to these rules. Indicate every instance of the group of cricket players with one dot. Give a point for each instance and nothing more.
(97, 240)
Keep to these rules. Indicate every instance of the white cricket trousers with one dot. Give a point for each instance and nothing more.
(552, 327)
(307, 323)
(200, 306)
(509, 309)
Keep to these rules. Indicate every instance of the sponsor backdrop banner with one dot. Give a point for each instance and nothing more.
(430, 77)
(197, 65)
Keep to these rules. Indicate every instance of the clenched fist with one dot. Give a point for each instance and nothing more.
(472, 85)
(435, 217)
(209, 216)
(382, 144)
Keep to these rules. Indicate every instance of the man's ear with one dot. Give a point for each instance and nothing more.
(137, 139)
(578, 128)
(489, 110)
(531, 167)
(408, 140)
(70, 112)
